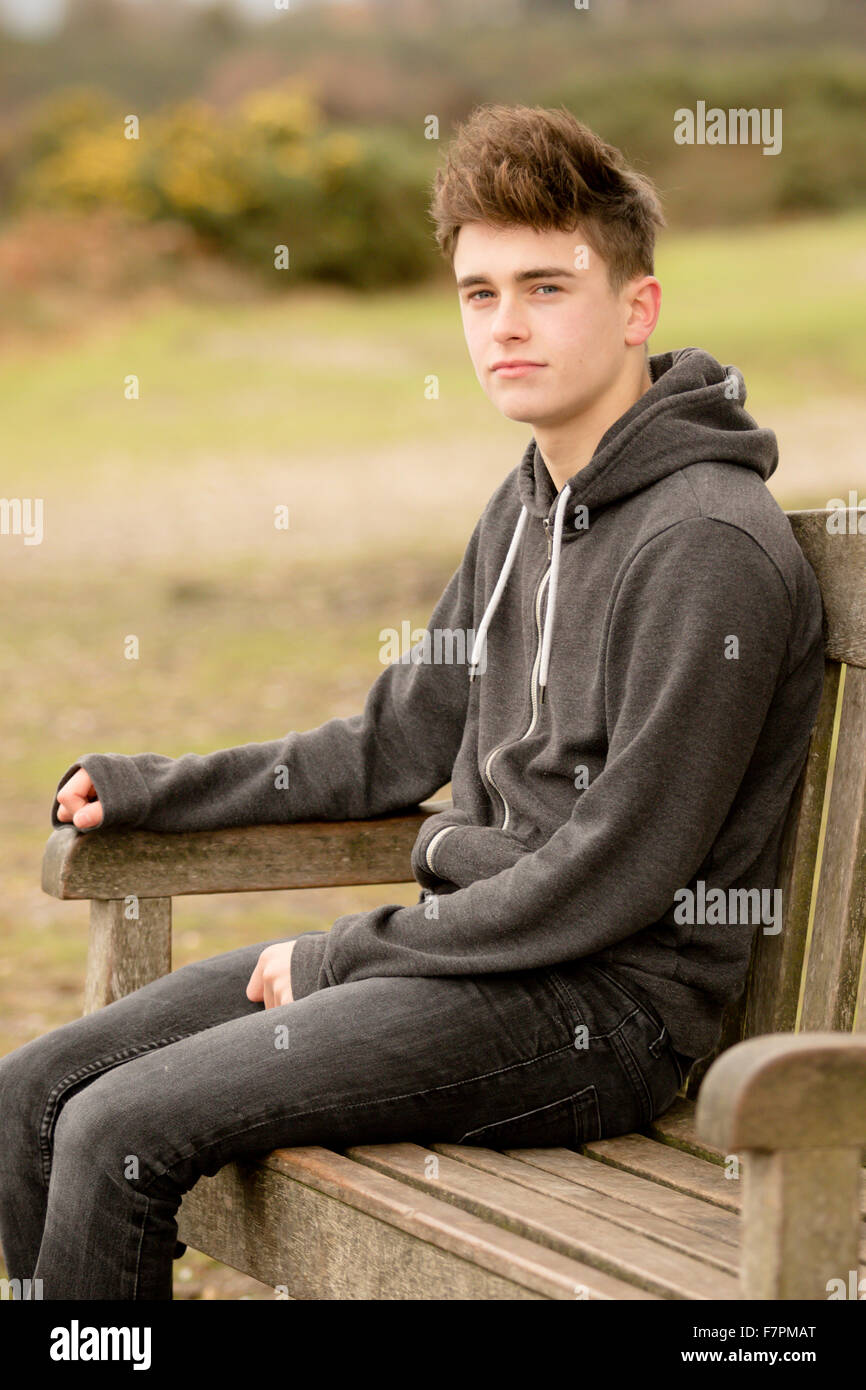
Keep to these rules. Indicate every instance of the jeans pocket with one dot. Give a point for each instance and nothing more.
(646, 1055)
(564, 1123)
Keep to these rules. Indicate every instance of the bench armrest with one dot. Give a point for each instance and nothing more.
(117, 863)
(795, 1106)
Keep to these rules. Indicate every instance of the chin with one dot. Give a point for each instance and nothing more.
(536, 413)
(525, 410)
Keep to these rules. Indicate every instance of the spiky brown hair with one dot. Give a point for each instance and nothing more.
(543, 168)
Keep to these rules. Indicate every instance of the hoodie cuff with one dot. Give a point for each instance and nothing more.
(472, 852)
(306, 968)
(431, 830)
(120, 789)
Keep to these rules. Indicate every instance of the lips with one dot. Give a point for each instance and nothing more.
(515, 368)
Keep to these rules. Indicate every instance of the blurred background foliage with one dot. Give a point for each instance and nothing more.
(350, 207)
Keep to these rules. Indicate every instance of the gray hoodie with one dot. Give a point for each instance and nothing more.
(619, 681)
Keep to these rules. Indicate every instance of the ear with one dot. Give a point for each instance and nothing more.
(643, 305)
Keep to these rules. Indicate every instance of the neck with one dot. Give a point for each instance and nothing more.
(568, 447)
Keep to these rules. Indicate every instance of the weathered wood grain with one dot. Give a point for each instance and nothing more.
(773, 990)
(125, 953)
(257, 858)
(745, 1102)
(583, 1231)
(534, 1220)
(632, 1179)
(839, 562)
(677, 1128)
(835, 948)
(671, 1167)
(800, 1222)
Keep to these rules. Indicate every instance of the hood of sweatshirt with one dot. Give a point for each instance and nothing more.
(694, 411)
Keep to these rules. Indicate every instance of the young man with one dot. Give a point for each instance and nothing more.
(644, 667)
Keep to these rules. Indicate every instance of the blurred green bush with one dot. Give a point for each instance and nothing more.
(351, 207)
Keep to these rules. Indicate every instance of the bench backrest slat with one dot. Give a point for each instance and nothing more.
(773, 990)
(834, 954)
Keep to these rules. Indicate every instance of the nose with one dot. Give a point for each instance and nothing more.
(508, 322)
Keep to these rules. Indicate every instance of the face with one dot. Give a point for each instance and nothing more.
(544, 299)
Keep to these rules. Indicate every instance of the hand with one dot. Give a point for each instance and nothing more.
(78, 801)
(271, 980)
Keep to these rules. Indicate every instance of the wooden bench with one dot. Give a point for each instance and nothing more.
(751, 1185)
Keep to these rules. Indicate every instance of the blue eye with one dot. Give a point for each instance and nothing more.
(475, 293)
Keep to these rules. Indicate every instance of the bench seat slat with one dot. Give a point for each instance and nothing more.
(688, 1240)
(669, 1165)
(583, 1234)
(642, 1192)
(676, 1168)
(676, 1128)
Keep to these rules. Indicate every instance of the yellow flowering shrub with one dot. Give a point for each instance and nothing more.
(92, 168)
(281, 113)
(263, 174)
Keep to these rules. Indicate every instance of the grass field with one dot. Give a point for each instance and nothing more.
(159, 523)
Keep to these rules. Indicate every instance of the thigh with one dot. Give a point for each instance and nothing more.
(483, 1060)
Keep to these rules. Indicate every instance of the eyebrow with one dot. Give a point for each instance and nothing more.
(544, 272)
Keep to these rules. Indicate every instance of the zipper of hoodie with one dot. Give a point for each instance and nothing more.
(532, 680)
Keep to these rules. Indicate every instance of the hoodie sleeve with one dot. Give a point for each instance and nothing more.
(396, 753)
(696, 645)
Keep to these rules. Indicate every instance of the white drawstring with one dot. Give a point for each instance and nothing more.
(481, 635)
(551, 592)
(508, 562)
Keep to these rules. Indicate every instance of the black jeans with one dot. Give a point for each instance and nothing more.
(106, 1121)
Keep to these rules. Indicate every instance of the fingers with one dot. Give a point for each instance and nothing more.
(271, 981)
(77, 801)
(78, 787)
(281, 990)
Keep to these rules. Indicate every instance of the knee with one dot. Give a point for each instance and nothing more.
(99, 1133)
